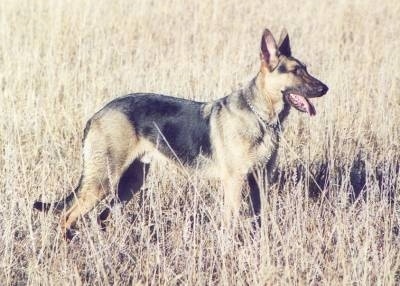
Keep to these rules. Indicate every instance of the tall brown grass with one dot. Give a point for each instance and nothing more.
(60, 61)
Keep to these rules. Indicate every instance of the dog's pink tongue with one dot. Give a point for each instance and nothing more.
(304, 104)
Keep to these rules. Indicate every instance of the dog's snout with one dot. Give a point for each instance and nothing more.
(322, 89)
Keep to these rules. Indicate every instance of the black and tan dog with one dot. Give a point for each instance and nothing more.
(225, 138)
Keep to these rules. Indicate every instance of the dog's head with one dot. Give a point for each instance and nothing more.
(284, 78)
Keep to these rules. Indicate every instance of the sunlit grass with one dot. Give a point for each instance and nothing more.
(60, 61)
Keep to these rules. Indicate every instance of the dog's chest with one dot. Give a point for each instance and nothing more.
(247, 148)
(265, 146)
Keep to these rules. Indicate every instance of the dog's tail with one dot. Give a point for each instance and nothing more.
(59, 205)
(56, 206)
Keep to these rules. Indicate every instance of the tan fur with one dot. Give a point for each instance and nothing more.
(110, 146)
(235, 155)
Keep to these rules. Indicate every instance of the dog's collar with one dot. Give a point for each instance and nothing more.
(265, 123)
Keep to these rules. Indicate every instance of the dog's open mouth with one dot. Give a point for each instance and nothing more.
(301, 103)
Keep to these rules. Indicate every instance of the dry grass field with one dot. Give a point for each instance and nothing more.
(60, 61)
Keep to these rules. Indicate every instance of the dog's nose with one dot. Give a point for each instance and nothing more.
(322, 89)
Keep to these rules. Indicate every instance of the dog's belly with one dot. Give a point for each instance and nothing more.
(200, 163)
(202, 166)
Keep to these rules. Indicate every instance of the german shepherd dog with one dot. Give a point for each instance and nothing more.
(225, 138)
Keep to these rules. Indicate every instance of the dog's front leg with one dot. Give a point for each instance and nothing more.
(232, 186)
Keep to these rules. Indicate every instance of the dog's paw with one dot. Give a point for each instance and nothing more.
(69, 234)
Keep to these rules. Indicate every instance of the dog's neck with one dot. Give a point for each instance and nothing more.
(258, 102)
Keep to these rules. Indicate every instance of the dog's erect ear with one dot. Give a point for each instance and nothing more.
(269, 50)
(284, 44)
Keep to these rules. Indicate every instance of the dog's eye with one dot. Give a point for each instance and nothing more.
(297, 71)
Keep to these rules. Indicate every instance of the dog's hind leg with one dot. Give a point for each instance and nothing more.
(96, 184)
(109, 148)
(130, 183)
(90, 194)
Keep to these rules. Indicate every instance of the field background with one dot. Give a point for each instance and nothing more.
(60, 61)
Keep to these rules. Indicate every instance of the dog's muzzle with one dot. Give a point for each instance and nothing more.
(300, 100)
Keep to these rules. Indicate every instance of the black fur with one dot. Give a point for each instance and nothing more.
(129, 184)
(282, 69)
(285, 111)
(255, 198)
(284, 47)
(176, 126)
